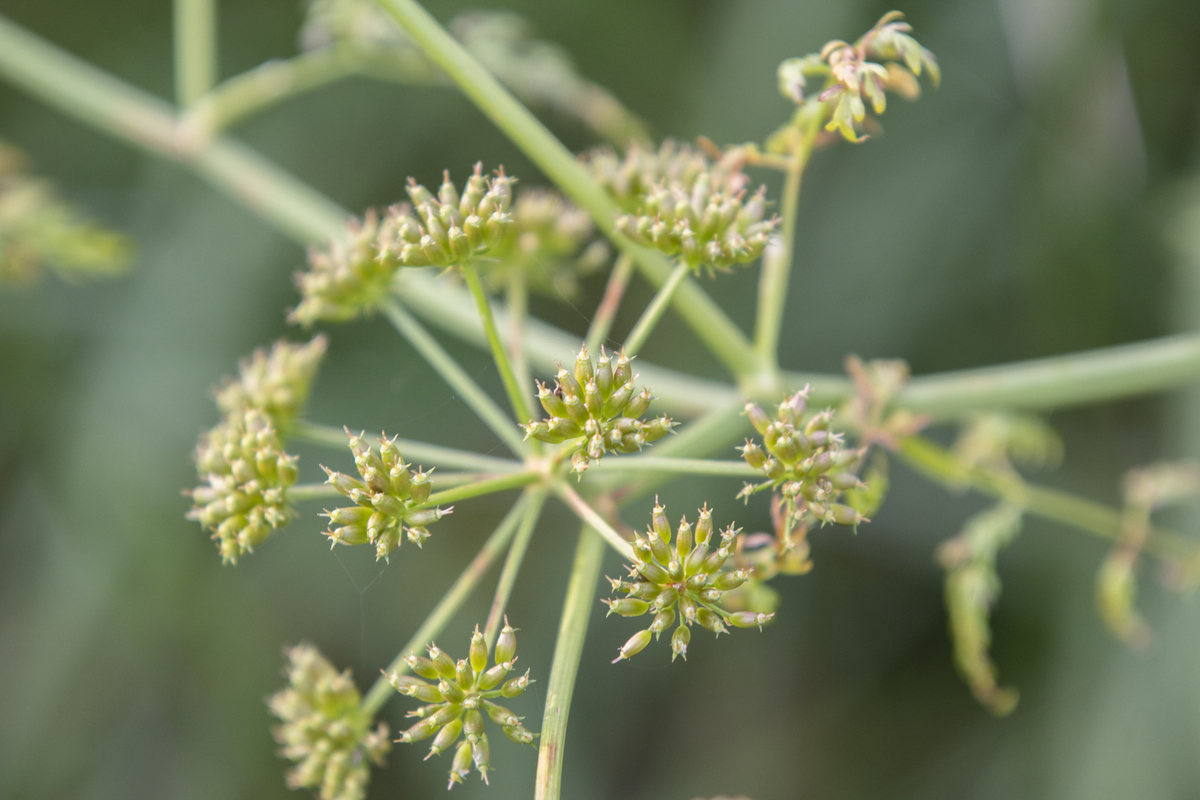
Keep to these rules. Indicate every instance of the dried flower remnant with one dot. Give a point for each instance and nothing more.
(244, 475)
(850, 76)
(458, 694)
(681, 580)
(972, 588)
(324, 730)
(276, 383)
(353, 277)
(389, 500)
(805, 460)
(596, 404)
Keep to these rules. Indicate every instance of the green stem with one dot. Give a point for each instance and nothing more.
(591, 517)
(776, 269)
(448, 605)
(1096, 518)
(512, 565)
(459, 380)
(195, 23)
(517, 297)
(301, 492)
(489, 486)
(568, 649)
(702, 314)
(515, 395)
(653, 313)
(606, 312)
(681, 466)
(418, 452)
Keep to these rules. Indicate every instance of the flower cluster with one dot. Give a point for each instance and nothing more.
(597, 405)
(630, 178)
(805, 460)
(37, 230)
(851, 77)
(275, 383)
(388, 500)
(244, 475)
(324, 730)
(457, 695)
(680, 580)
(544, 245)
(353, 276)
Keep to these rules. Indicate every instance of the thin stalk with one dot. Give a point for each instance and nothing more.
(680, 466)
(301, 492)
(195, 23)
(940, 465)
(448, 605)
(653, 313)
(459, 380)
(502, 483)
(417, 452)
(777, 268)
(512, 565)
(568, 649)
(516, 294)
(515, 395)
(606, 312)
(710, 323)
(591, 517)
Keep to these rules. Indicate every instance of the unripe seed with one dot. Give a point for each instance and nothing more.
(710, 620)
(422, 666)
(750, 619)
(635, 645)
(628, 607)
(478, 651)
(515, 686)
(679, 641)
(445, 738)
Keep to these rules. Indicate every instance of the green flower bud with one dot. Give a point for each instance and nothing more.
(750, 619)
(709, 620)
(506, 644)
(628, 607)
(478, 651)
(515, 686)
(422, 666)
(679, 641)
(443, 663)
(461, 767)
(518, 734)
(635, 645)
(445, 737)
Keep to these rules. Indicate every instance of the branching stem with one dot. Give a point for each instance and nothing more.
(195, 23)
(514, 480)
(414, 451)
(516, 395)
(592, 517)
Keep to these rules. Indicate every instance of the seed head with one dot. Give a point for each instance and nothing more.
(462, 695)
(276, 383)
(389, 500)
(324, 730)
(244, 476)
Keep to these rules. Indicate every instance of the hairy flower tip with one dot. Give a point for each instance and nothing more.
(244, 476)
(324, 730)
(806, 460)
(458, 695)
(389, 500)
(346, 278)
(972, 588)
(276, 383)
(596, 406)
(885, 59)
(40, 231)
(681, 581)
(546, 246)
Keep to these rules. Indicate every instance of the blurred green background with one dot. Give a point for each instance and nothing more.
(1018, 211)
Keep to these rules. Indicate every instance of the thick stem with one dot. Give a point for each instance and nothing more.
(448, 605)
(606, 312)
(703, 315)
(653, 313)
(502, 483)
(459, 380)
(195, 23)
(568, 649)
(414, 451)
(1096, 518)
(515, 395)
(512, 565)
(592, 517)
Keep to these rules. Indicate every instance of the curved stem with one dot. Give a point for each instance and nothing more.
(515, 395)
(606, 312)
(381, 690)
(459, 380)
(568, 649)
(512, 565)
(195, 23)
(417, 452)
(653, 313)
